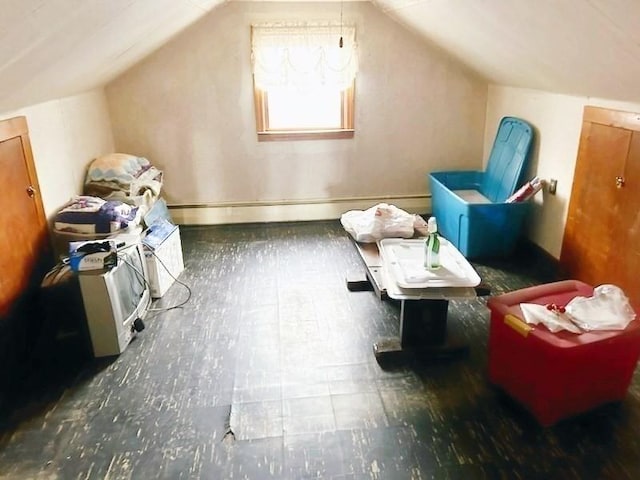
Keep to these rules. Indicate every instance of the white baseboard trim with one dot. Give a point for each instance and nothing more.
(258, 212)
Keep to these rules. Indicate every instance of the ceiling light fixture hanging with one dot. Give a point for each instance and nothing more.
(341, 42)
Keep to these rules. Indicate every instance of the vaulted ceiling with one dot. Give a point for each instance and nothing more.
(54, 48)
(588, 48)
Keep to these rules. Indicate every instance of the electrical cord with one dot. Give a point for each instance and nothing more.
(187, 287)
(141, 275)
(52, 277)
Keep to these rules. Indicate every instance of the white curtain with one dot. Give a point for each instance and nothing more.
(303, 55)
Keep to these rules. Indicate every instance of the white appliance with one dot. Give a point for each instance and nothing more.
(116, 300)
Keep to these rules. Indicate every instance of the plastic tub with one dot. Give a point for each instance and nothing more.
(476, 229)
(558, 375)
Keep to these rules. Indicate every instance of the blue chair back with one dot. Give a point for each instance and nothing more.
(508, 159)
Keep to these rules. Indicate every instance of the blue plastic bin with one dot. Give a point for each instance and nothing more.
(490, 228)
(476, 230)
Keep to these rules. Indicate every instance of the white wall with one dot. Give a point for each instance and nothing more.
(189, 108)
(558, 121)
(66, 134)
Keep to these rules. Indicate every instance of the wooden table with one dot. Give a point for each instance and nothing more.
(423, 312)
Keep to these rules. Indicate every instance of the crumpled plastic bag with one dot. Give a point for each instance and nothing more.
(607, 309)
(552, 319)
(380, 221)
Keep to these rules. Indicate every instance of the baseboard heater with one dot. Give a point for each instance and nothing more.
(288, 210)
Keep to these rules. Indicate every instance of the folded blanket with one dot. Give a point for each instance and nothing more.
(119, 172)
(83, 204)
(117, 167)
(91, 215)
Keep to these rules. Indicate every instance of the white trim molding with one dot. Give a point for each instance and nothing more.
(288, 211)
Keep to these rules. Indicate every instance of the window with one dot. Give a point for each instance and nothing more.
(288, 113)
(304, 77)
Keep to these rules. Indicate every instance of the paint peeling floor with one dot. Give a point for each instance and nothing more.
(268, 372)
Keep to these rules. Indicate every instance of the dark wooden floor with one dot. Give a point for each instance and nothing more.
(268, 372)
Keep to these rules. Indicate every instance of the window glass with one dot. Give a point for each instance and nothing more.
(303, 80)
(313, 108)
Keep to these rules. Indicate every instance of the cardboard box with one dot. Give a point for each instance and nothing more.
(92, 255)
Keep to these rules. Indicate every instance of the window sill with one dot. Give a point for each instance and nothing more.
(281, 136)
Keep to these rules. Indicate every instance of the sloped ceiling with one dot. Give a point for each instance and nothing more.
(54, 48)
(588, 48)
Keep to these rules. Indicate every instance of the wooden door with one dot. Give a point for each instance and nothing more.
(24, 228)
(628, 215)
(24, 248)
(602, 234)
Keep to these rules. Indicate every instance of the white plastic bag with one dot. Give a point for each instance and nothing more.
(378, 222)
(552, 319)
(607, 309)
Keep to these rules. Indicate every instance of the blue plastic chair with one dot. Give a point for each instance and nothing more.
(470, 207)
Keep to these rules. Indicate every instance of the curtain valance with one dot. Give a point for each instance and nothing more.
(303, 55)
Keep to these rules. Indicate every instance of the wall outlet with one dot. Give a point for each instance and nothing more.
(553, 184)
